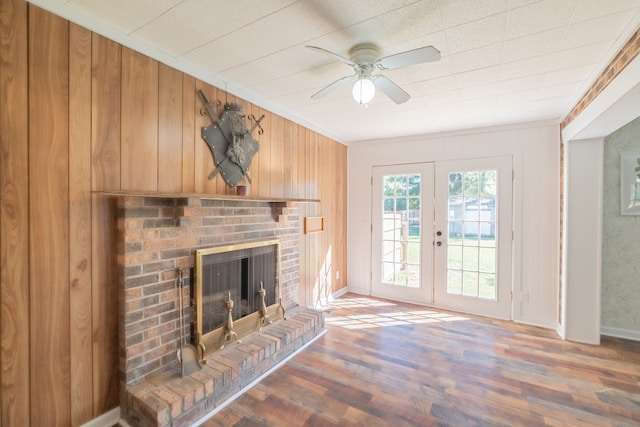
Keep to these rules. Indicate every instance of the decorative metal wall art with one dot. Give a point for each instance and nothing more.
(231, 143)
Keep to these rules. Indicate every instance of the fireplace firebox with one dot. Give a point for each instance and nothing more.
(238, 273)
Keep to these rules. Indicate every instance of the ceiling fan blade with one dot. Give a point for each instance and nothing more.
(329, 88)
(335, 55)
(392, 90)
(410, 57)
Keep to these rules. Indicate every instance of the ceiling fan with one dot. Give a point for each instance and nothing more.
(365, 60)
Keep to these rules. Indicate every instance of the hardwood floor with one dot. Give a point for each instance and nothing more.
(384, 363)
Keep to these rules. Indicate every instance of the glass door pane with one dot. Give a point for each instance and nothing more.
(471, 248)
(472, 266)
(401, 230)
(402, 218)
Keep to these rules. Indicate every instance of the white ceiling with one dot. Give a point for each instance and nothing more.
(503, 61)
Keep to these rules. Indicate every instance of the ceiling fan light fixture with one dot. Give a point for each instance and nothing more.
(364, 90)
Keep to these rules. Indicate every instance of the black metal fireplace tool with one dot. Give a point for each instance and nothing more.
(187, 353)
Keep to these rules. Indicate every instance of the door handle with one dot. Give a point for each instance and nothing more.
(438, 243)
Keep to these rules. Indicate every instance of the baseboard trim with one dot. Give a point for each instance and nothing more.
(323, 302)
(107, 419)
(620, 333)
(337, 294)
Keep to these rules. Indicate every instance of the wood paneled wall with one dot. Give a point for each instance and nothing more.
(81, 114)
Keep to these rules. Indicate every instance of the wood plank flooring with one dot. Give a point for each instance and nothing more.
(384, 363)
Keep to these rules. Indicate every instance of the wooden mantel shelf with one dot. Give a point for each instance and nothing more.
(204, 196)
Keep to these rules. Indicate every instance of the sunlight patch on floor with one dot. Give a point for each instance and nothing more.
(384, 319)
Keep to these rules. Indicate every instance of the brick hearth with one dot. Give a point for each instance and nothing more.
(156, 237)
(168, 399)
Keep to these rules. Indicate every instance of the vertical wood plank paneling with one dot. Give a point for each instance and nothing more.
(80, 224)
(15, 399)
(105, 142)
(169, 129)
(59, 324)
(204, 164)
(309, 146)
(189, 137)
(313, 260)
(304, 286)
(290, 153)
(303, 144)
(326, 177)
(298, 161)
(139, 121)
(312, 163)
(104, 304)
(105, 113)
(254, 169)
(277, 156)
(264, 155)
(49, 218)
(323, 245)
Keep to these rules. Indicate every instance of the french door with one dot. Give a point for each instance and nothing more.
(402, 226)
(442, 234)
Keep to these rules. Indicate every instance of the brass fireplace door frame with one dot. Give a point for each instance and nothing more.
(244, 326)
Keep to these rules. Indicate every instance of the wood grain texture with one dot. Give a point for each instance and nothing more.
(139, 122)
(326, 183)
(384, 363)
(15, 399)
(70, 127)
(190, 135)
(254, 169)
(263, 174)
(81, 356)
(104, 285)
(332, 187)
(277, 160)
(106, 81)
(303, 289)
(303, 151)
(106, 89)
(170, 162)
(49, 218)
(290, 148)
(313, 224)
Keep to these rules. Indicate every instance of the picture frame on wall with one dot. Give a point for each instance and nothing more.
(630, 183)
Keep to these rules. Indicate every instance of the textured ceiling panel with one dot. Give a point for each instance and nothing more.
(125, 15)
(193, 23)
(502, 61)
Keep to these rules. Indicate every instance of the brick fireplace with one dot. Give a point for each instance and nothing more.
(158, 236)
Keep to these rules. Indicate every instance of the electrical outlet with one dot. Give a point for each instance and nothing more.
(337, 274)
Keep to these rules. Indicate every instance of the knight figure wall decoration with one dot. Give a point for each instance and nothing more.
(231, 142)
